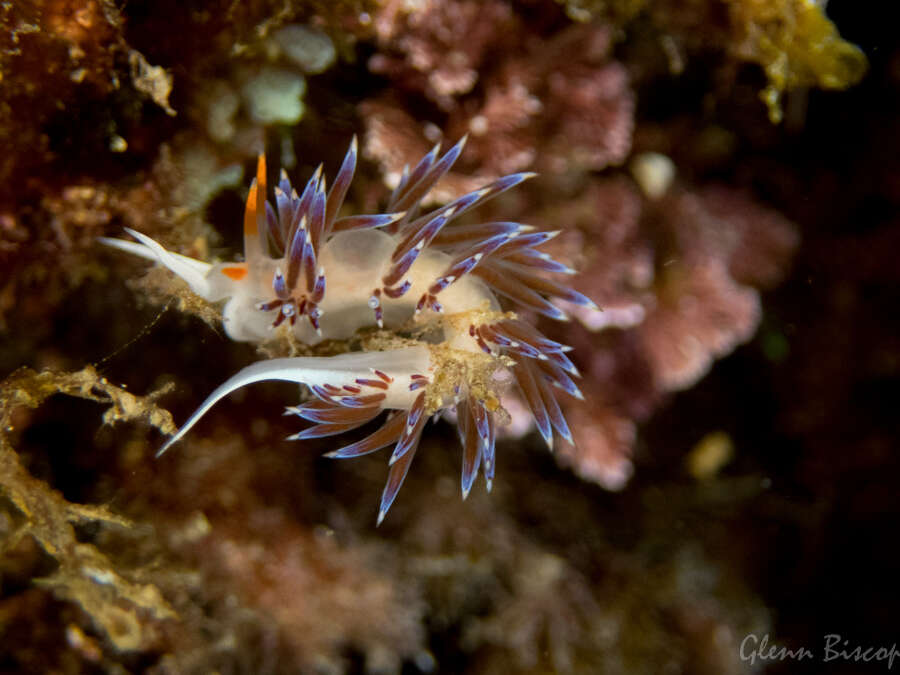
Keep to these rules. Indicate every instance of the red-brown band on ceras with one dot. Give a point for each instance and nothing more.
(337, 410)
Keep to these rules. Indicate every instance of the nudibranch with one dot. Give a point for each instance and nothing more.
(416, 275)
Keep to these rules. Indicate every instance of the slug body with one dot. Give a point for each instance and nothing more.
(327, 277)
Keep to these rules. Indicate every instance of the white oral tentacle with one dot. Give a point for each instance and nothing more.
(143, 251)
(343, 369)
(194, 272)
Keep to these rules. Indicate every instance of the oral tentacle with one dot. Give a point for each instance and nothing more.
(194, 272)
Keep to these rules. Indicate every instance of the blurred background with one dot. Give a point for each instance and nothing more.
(725, 174)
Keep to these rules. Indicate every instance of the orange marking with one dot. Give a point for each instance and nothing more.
(261, 193)
(250, 211)
(261, 169)
(236, 273)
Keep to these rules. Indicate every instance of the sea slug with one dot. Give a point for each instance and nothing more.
(419, 277)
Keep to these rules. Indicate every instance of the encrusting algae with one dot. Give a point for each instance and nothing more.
(84, 574)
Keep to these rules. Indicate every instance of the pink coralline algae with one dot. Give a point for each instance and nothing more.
(439, 49)
(723, 246)
(604, 240)
(701, 315)
(676, 281)
(603, 444)
(564, 106)
(554, 104)
(393, 136)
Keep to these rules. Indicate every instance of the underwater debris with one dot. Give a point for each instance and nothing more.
(49, 249)
(544, 617)
(84, 575)
(711, 453)
(545, 599)
(402, 271)
(152, 81)
(29, 388)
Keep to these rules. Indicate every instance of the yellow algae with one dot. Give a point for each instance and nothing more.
(84, 575)
(797, 46)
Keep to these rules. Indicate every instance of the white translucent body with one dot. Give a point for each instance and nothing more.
(354, 263)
